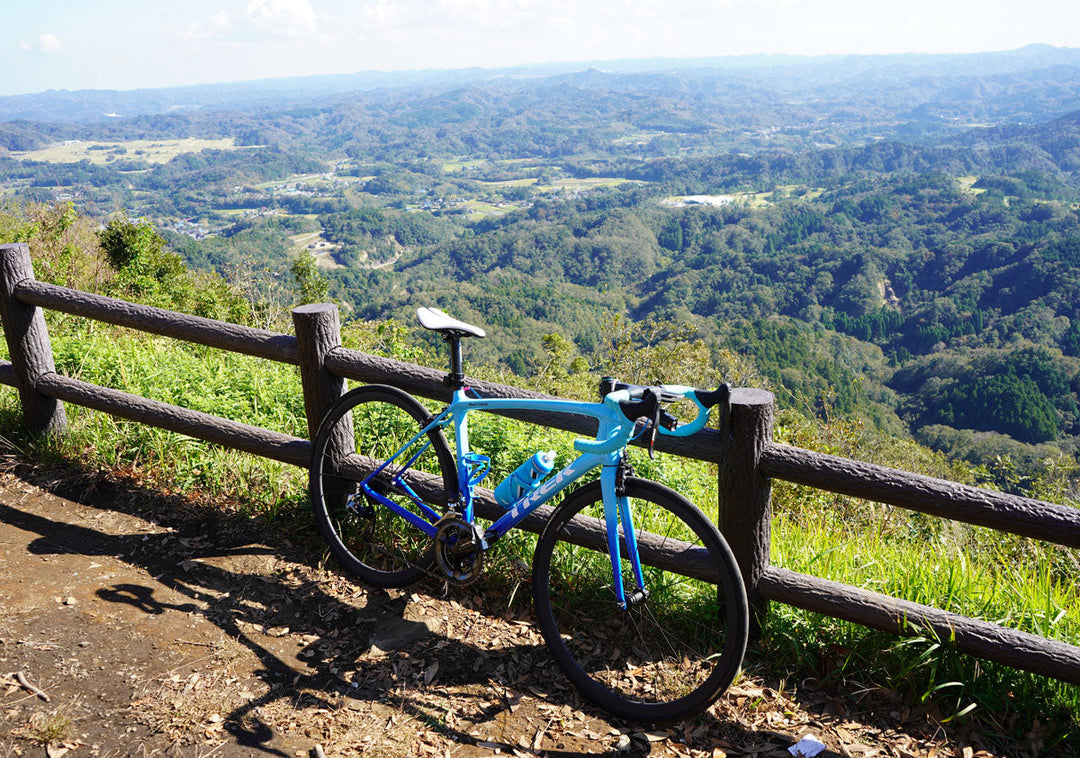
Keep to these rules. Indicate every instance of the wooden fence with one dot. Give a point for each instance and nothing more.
(746, 461)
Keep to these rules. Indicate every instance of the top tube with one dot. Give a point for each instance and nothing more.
(612, 422)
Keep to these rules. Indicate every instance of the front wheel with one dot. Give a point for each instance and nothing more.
(370, 540)
(677, 646)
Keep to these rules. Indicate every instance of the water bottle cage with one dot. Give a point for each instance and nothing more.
(524, 479)
(477, 466)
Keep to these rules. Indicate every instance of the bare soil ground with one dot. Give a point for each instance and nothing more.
(138, 624)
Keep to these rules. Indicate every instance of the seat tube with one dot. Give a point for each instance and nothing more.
(461, 450)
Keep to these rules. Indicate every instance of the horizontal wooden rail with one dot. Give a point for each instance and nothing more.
(1059, 524)
(979, 638)
(251, 439)
(204, 331)
(7, 374)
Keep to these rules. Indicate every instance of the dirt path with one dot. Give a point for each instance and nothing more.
(154, 626)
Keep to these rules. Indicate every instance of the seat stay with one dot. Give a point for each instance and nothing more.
(393, 468)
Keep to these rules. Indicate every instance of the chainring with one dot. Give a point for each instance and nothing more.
(459, 549)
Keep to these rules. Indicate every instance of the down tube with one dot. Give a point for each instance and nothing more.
(555, 484)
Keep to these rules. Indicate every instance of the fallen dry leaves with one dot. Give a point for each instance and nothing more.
(326, 666)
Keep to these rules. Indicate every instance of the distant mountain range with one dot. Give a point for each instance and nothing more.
(776, 73)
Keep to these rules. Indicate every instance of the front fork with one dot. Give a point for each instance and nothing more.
(616, 510)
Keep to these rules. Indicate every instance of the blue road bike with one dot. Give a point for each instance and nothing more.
(636, 593)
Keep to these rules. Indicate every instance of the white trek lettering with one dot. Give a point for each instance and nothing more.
(540, 494)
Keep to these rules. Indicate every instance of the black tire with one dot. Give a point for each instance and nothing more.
(368, 539)
(667, 657)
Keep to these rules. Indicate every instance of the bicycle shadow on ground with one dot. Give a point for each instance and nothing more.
(342, 663)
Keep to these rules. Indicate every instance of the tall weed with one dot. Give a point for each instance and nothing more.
(1013, 581)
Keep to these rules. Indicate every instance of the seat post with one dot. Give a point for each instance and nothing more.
(453, 331)
(456, 378)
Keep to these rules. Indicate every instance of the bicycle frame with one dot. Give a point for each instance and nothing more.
(616, 507)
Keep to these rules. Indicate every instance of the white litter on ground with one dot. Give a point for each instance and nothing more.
(807, 747)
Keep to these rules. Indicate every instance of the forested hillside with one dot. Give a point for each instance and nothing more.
(892, 238)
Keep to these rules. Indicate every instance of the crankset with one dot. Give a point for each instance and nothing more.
(459, 549)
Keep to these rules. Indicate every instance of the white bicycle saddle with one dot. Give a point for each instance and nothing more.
(437, 321)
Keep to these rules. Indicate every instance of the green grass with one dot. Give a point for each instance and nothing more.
(480, 209)
(249, 390)
(460, 164)
(967, 185)
(1011, 581)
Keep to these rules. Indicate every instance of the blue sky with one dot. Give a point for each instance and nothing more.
(128, 44)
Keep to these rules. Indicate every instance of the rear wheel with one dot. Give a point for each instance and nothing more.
(367, 537)
(667, 655)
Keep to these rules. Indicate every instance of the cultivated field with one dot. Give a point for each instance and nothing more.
(101, 153)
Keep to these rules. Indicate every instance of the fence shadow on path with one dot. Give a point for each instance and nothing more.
(362, 653)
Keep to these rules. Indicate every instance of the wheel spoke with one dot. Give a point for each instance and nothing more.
(368, 538)
(667, 656)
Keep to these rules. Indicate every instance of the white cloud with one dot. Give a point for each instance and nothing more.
(215, 26)
(45, 43)
(48, 43)
(283, 18)
(261, 20)
(484, 32)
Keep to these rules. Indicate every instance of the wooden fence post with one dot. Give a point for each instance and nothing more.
(318, 331)
(745, 496)
(28, 344)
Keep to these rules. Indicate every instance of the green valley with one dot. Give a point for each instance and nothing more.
(849, 236)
